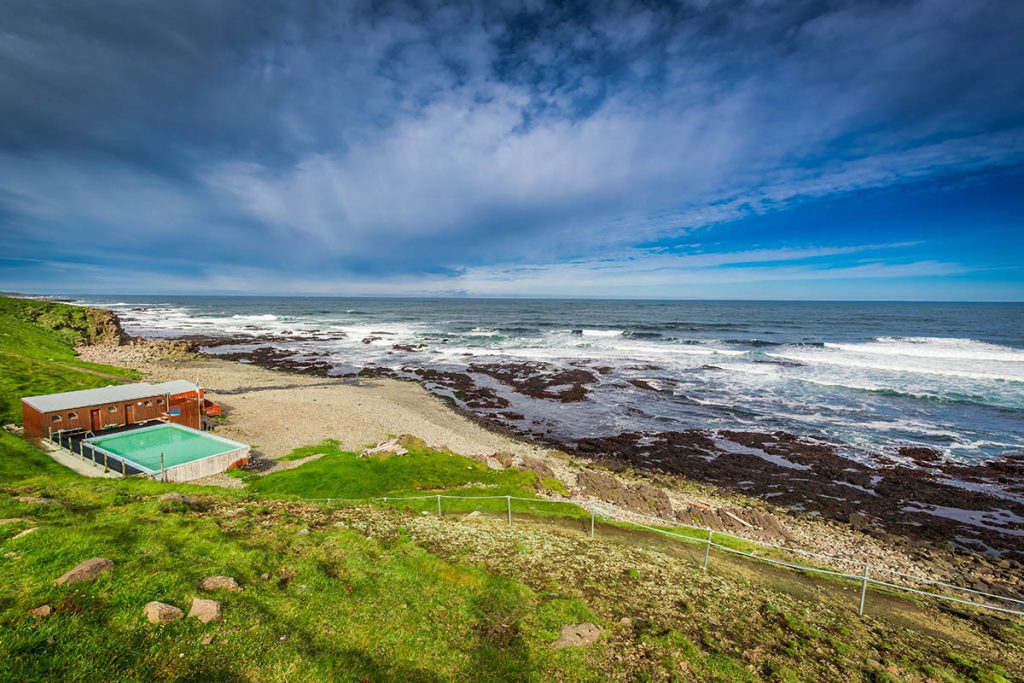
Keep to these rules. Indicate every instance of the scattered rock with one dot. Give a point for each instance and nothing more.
(504, 459)
(207, 639)
(174, 499)
(390, 447)
(41, 612)
(26, 532)
(265, 576)
(90, 570)
(36, 500)
(205, 610)
(223, 583)
(302, 532)
(14, 520)
(577, 635)
(859, 522)
(161, 612)
(538, 466)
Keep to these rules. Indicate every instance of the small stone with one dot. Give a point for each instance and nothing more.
(35, 500)
(90, 570)
(207, 639)
(626, 622)
(41, 612)
(205, 610)
(14, 520)
(303, 532)
(161, 612)
(283, 638)
(265, 576)
(24, 533)
(222, 583)
(577, 635)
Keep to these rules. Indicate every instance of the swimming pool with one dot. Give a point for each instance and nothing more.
(174, 452)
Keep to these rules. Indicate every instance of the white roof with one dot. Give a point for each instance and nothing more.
(109, 394)
(175, 386)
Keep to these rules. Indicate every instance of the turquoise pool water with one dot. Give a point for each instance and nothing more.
(177, 444)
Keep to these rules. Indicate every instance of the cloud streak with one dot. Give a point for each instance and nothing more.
(423, 146)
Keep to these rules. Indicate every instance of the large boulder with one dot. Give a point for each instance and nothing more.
(205, 610)
(161, 612)
(90, 570)
(577, 635)
(220, 583)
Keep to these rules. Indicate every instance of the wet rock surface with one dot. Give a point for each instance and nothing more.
(810, 476)
(540, 380)
(919, 495)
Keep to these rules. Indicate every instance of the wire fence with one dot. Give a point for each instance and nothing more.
(869, 576)
(74, 442)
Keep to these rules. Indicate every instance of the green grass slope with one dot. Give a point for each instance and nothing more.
(37, 356)
(399, 594)
(331, 606)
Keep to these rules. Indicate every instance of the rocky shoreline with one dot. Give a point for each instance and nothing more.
(907, 508)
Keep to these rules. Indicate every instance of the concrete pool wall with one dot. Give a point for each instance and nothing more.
(238, 454)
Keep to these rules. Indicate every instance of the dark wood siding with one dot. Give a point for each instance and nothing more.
(39, 424)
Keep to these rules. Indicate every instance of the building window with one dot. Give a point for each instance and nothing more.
(159, 401)
(72, 416)
(112, 409)
(149, 403)
(55, 418)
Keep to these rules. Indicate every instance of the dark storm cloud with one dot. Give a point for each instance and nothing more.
(327, 139)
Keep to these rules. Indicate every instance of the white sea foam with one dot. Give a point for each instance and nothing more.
(935, 347)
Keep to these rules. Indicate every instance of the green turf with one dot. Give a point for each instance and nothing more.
(37, 354)
(339, 474)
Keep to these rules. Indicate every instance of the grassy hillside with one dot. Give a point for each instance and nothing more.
(336, 593)
(37, 340)
(341, 474)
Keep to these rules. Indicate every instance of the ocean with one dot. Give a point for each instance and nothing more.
(870, 377)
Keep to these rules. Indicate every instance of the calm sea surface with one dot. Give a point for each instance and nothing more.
(871, 376)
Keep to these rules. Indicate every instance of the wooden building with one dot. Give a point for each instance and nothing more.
(94, 410)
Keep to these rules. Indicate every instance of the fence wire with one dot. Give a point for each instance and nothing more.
(67, 441)
(864, 579)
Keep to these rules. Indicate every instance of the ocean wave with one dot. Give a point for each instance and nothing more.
(266, 316)
(585, 332)
(756, 343)
(951, 348)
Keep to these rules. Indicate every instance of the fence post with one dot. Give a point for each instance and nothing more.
(105, 468)
(508, 499)
(439, 505)
(707, 550)
(124, 469)
(163, 474)
(49, 434)
(592, 516)
(863, 591)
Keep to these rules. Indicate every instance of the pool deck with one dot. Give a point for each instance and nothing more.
(86, 468)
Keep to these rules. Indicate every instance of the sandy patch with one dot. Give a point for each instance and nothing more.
(276, 412)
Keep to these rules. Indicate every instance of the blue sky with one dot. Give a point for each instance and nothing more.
(758, 149)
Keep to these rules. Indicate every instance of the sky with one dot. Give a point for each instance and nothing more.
(739, 149)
